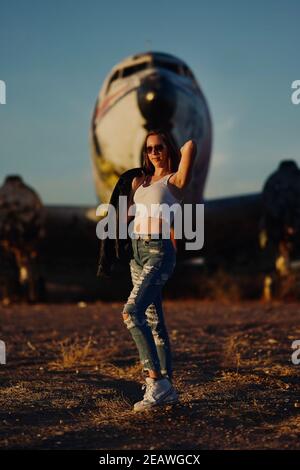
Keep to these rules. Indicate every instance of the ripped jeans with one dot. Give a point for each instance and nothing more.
(153, 263)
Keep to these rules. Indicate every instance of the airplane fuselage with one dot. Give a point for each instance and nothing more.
(146, 91)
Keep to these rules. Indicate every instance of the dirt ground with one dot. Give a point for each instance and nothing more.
(72, 376)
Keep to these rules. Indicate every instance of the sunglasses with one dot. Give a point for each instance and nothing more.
(158, 148)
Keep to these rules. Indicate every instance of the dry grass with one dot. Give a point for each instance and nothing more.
(232, 369)
(232, 352)
(112, 411)
(72, 353)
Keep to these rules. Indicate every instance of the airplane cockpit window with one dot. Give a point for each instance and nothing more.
(114, 77)
(134, 68)
(168, 65)
(179, 69)
(127, 71)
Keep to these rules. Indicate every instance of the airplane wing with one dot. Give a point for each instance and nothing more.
(70, 251)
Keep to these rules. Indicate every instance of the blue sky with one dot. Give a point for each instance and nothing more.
(54, 56)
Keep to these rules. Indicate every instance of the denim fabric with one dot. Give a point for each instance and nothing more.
(153, 263)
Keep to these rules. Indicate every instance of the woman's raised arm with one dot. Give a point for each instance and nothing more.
(183, 175)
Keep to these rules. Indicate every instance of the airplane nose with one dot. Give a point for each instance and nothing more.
(157, 101)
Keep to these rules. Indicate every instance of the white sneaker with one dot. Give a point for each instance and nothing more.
(158, 392)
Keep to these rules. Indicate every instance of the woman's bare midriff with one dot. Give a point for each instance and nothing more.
(156, 229)
(150, 225)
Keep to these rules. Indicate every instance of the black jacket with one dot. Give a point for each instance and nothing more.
(114, 250)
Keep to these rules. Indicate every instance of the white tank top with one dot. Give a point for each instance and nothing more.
(148, 201)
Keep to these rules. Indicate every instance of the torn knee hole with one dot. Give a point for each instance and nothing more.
(125, 315)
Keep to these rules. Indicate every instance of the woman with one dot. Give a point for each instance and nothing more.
(167, 172)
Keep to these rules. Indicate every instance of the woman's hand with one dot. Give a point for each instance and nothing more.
(189, 145)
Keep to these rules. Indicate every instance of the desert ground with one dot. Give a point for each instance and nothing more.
(73, 374)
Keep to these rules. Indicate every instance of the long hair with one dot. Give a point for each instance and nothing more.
(172, 150)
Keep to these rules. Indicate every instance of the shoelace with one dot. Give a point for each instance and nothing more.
(149, 388)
